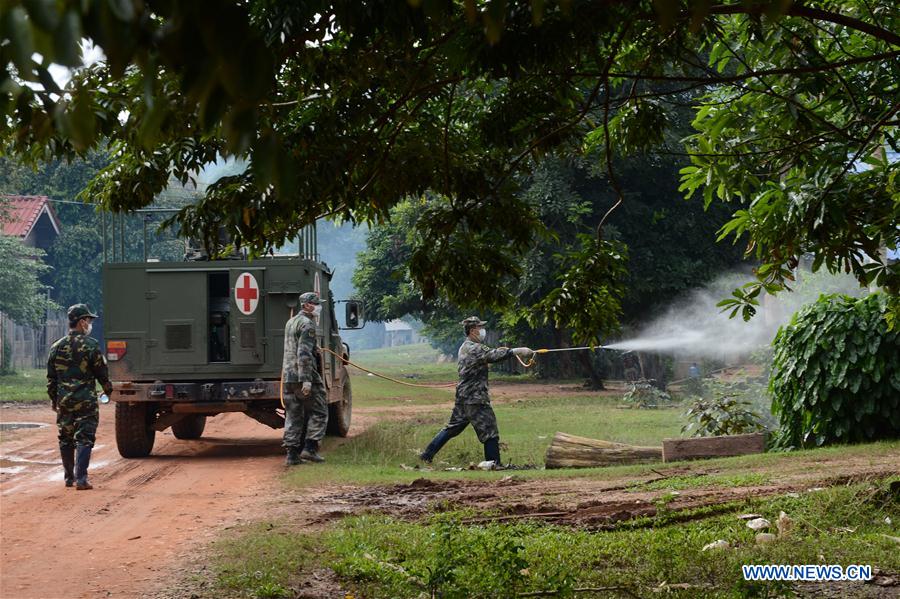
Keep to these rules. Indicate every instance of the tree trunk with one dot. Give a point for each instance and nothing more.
(713, 447)
(596, 382)
(654, 369)
(569, 451)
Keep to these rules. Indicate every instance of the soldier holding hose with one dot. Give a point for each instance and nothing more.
(473, 404)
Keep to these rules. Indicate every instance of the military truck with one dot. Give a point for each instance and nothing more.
(190, 339)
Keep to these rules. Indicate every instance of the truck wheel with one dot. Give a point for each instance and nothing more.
(190, 427)
(340, 412)
(134, 429)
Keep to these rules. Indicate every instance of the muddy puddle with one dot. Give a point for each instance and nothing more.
(12, 426)
(581, 503)
(508, 499)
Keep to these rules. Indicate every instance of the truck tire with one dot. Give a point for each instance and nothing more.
(340, 412)
(134, 429)
(190, 427)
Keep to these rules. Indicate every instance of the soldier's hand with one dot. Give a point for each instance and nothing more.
(306, 388)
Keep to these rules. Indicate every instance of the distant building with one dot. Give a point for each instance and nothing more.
(397, 332)
(33, 220)
(30, 218)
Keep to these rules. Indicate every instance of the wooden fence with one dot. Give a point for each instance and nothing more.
(28, 345)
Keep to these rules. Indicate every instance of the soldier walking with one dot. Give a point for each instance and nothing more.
(74, 366)
(305, 403)
(473, 404)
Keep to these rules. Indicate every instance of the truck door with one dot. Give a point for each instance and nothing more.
(247, 315)
(177, 310)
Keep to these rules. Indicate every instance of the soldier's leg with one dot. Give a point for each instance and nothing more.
(457, 423)
(484, 421)
(294, 421)
(316, 423)
(87, 418)
(65, 426)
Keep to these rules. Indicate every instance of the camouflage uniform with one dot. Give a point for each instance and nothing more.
(73, 368)
(473, 404)
(306, 418)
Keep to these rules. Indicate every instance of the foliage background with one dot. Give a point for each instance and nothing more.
(836, 373)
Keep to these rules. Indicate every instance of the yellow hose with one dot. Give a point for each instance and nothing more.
(528, 364)
(387, 378)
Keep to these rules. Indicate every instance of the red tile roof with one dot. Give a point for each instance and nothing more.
(22, 212)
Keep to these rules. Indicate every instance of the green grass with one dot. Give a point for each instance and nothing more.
(676, 483)
(259, 560)
(416, 363)
(379, 556)
(370, 391)
(25, 386)
(526, 430)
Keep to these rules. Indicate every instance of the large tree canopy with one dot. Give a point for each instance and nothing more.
(345, 108)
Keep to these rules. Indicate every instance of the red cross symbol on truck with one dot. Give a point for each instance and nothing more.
(246, 293)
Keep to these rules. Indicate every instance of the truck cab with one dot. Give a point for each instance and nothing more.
(187, 340)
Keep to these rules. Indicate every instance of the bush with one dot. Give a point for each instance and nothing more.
(644, 395)
(723, 414)
(836, 373)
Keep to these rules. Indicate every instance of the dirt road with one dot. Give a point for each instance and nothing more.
(145, 519)
(142, 515)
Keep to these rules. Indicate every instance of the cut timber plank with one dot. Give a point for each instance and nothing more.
(713, 447)
(570, 451)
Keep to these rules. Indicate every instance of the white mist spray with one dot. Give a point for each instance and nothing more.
(695, 325)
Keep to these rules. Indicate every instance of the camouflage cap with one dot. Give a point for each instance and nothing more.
(473, 320)
(309, 298)
(79, 311)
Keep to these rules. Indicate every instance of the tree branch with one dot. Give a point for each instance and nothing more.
(770, 91)
(447, 140)
(609, 166)
(798, 10)
(750, 74)
(884, 119)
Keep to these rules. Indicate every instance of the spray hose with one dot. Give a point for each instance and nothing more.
(528, 364)
(385, 377)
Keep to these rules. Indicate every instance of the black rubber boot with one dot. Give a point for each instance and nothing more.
(68, 461)
(293, 457)
(492, 451)
(311, 452)
(82, 461)
(439, 441)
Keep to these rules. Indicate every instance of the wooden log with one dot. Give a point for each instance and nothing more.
(713, 447)
(570, 451)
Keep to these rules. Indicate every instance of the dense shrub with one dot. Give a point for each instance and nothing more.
(644, 394)
(836, 373)
(724, 409)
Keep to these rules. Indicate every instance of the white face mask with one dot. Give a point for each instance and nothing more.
(90, 327)
(482, 334)
(317, 310)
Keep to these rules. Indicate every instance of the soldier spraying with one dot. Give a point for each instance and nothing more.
(305, 402)
(473, 404)
(74, 366)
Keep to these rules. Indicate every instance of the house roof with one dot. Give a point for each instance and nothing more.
(23, 212)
